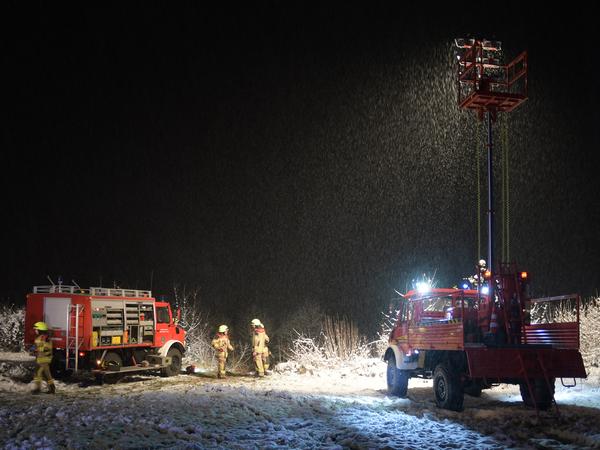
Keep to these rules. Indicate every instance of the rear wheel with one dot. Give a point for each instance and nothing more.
(447, 388)
(175, 367)
(397, 380)
(542, 392)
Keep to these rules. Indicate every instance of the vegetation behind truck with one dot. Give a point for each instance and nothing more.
(106, 330)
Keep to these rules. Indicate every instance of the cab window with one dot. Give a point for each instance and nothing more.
(162, 315)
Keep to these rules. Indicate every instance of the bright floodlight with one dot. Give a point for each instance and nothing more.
(485, 290)
(423, 287)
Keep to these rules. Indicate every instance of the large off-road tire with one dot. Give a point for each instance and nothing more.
(543, 394)
(447, 388)
(175, 366)
(112, 361)
(397, 380)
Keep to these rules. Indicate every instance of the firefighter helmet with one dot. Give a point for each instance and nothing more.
(223, 329)
(256, 323)
(40, 326)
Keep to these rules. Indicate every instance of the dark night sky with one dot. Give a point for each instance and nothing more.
(275, 155)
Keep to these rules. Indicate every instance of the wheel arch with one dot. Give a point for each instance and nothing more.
(402, 362)
(162, 351)
(394, 351)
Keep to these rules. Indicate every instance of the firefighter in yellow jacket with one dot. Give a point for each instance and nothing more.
(260, 351)
(43, 353)
(222, 346)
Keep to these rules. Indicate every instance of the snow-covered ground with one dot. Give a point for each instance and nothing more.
(344, 408)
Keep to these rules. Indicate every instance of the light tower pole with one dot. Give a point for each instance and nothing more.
(488, 87)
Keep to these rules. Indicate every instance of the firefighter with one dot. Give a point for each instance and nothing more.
(222, 346)
(43, 353)
(260, 351)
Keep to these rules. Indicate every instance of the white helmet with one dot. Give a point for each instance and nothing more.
(256, 323)
(223, 329)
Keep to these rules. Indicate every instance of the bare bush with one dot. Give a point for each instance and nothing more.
(304, 320)
(341, 339)
(306, 354)
(12, 326)
(381, 344)
(590, 333)
(240, 359)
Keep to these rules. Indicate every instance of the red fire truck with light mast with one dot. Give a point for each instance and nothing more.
(473, 338)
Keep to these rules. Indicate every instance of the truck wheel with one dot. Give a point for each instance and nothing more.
(175, 366)
(447, 388)
(397, 380)
(542, 393)
(112, 363)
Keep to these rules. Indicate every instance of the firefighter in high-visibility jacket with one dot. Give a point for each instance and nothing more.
(222, 346)
(260, 350)
(43, 354)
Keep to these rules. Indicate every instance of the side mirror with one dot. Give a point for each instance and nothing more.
(178, 315)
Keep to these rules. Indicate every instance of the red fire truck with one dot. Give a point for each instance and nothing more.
(467, 340)
(106, 330)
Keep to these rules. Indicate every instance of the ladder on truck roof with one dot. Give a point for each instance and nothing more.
(74, 337)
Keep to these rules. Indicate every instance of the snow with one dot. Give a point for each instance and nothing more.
(328, 409)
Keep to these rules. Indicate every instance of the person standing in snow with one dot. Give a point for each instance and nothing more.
(43, 354)
(260, 351)
(222, 345)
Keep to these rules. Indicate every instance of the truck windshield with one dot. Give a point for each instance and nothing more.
(162, 314)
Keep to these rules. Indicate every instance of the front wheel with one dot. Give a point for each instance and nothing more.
(447, 388)
(397, 380)
(112, 362)
(175, 367)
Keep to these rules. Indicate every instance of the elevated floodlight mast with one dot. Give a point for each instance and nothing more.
(488, 87)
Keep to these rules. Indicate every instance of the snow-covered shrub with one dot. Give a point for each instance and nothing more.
(305, 354)
(590, 333)
(388, 321)
(305, 319)
(338, 342)
(12, 320)
(198, 331)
